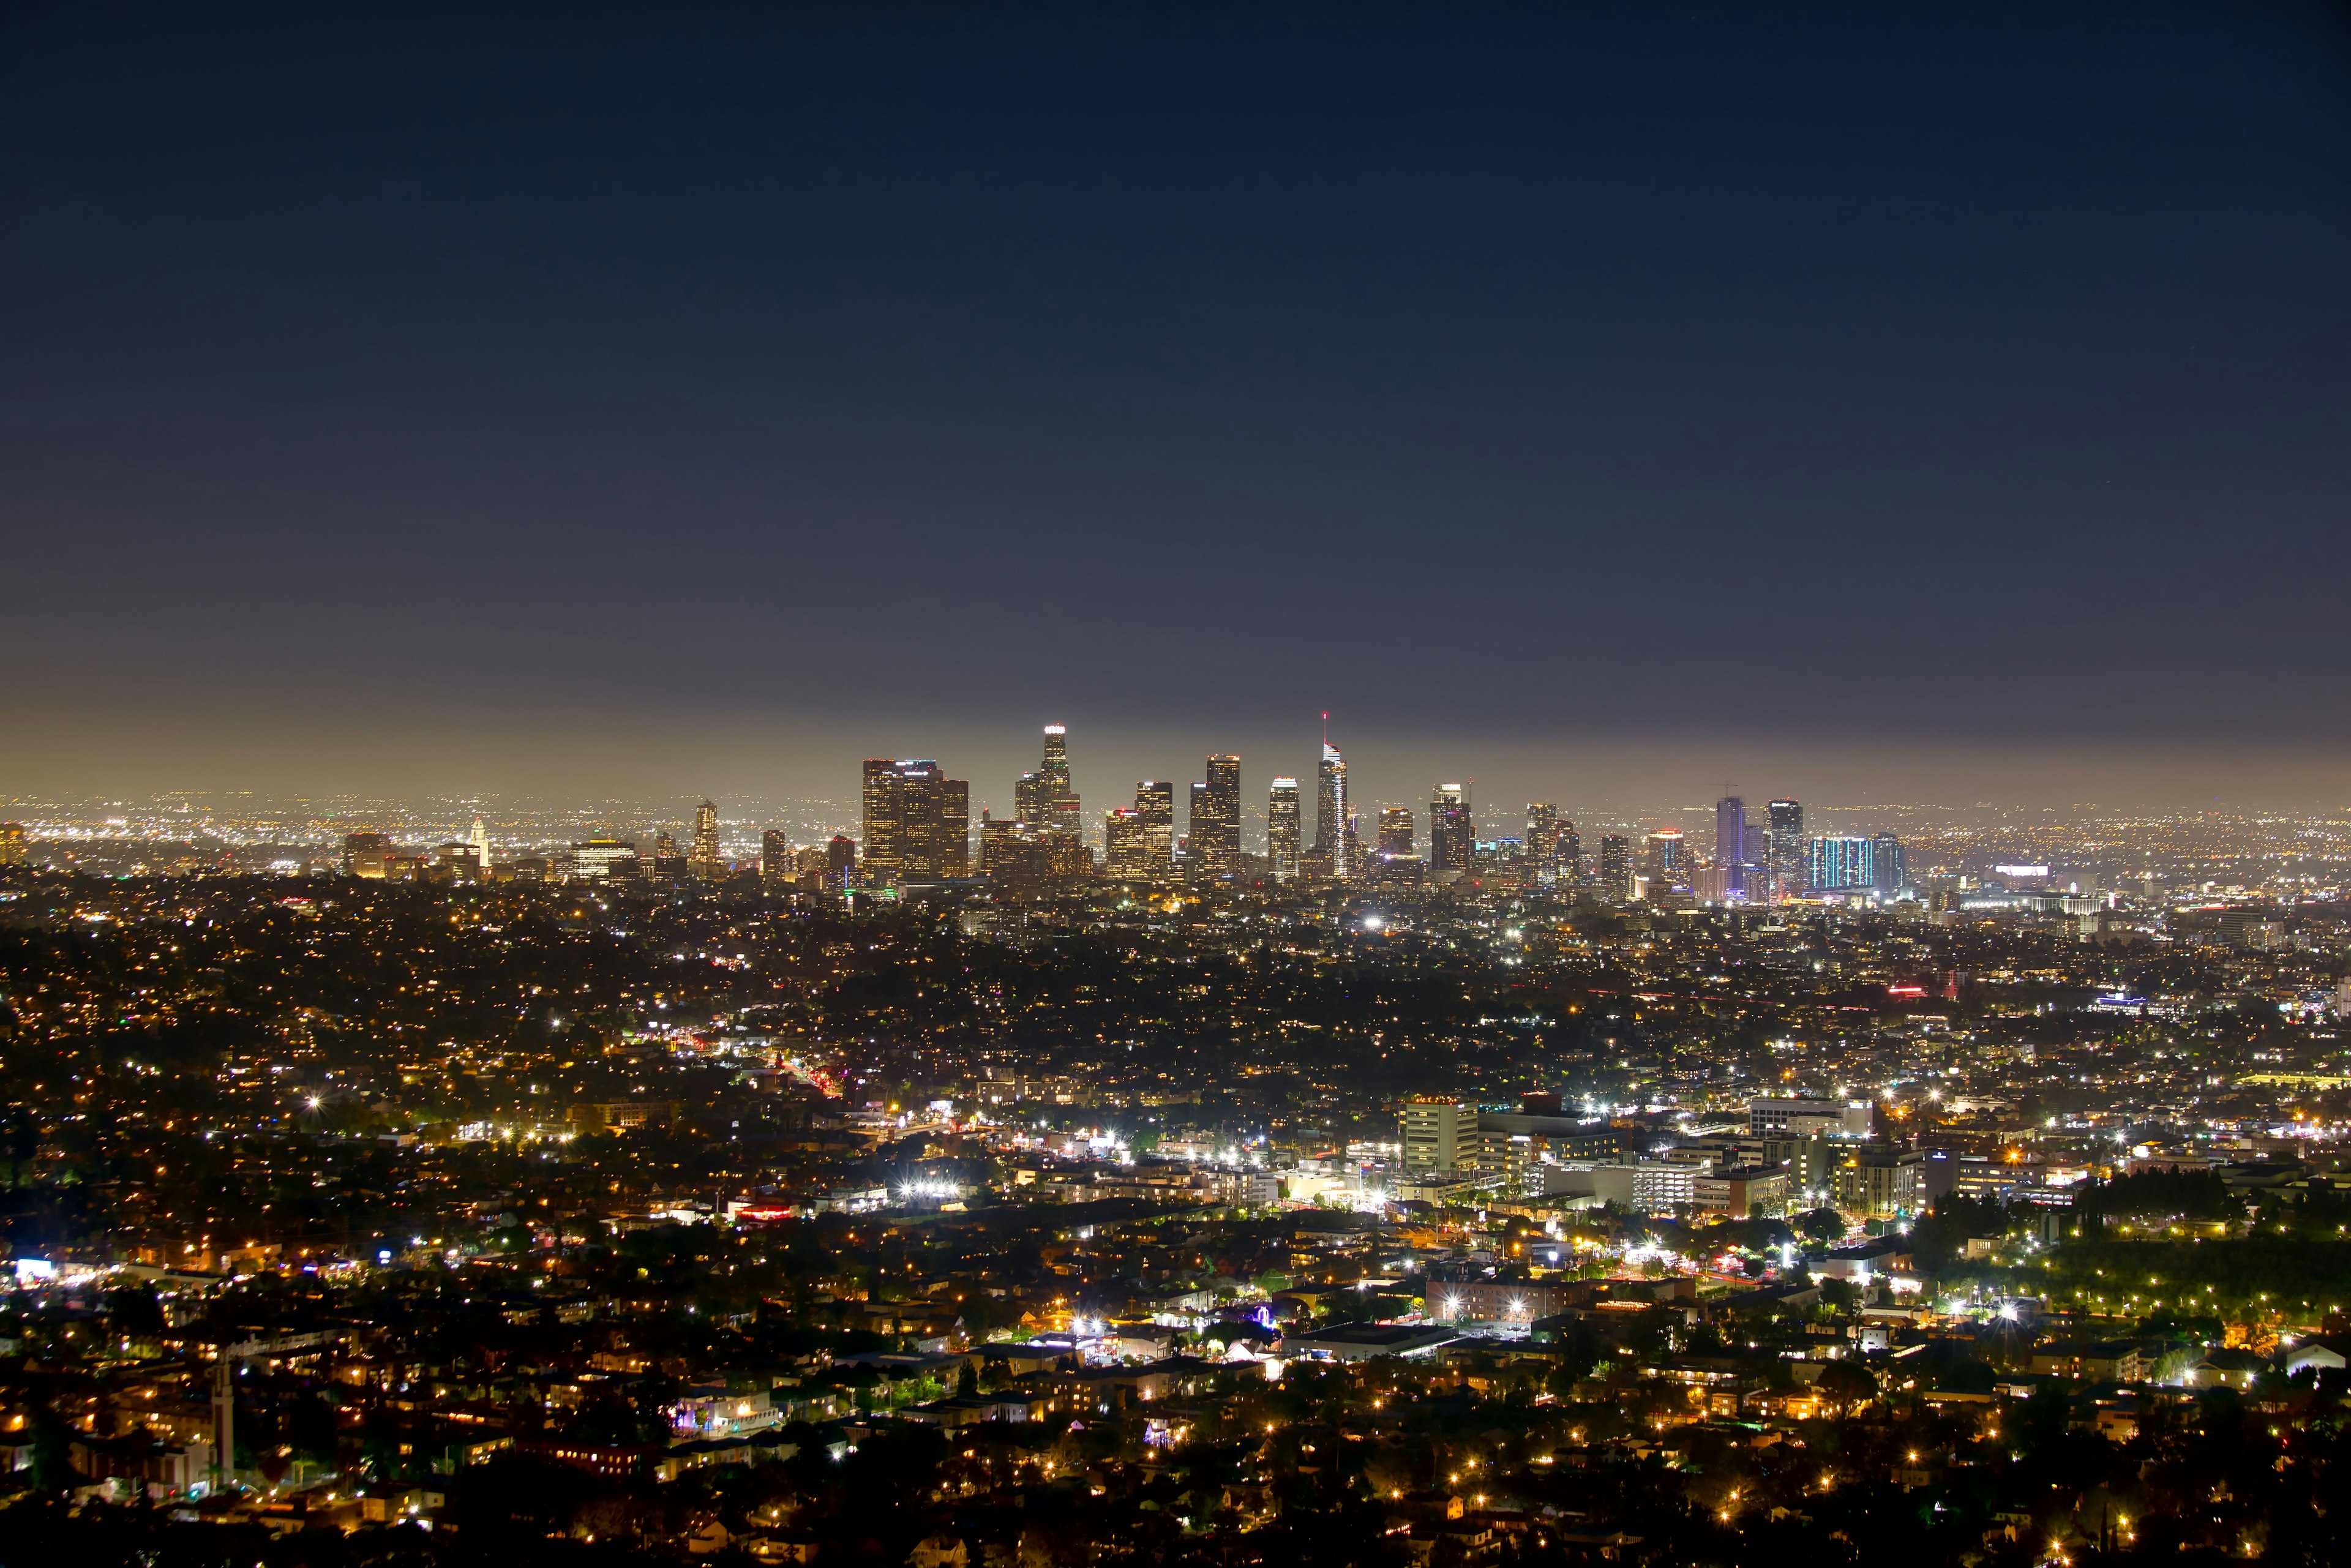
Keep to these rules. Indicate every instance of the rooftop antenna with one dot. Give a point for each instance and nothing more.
(1326, 729)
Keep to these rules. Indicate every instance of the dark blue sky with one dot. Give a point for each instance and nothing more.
(383, 384)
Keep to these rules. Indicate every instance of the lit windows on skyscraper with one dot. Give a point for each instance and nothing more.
(1452, 835)
(1616, 866)
(917, 823)
(1396, 830)
(1282, 845)
(1330, 857)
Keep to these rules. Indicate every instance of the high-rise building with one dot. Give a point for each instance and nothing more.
(1889, 871)
(1664, 858)
(594, 860)
(13, 845)
(840, 861)
(1439, 1135)
(1569, 853)
(917, 823)
(1542, 835)
(1214, 829)
(477, 843)
(1154, 803)
(365, 854)
(1330, 856)
(703, 864)
(1786, 848)
(1452, 835)
(1840, 862)
(1396, 830)
(880, 831)
(1282, 830)
(1731, 843)
(1127, 844)
(775, 862)
(1045, 798)
(1616, 866)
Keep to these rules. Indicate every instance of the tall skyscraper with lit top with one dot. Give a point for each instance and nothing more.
(1329, 855)
(917, 823)
(1452, 834)
(1047, 799)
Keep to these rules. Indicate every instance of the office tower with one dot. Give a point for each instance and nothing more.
(775, 862)
(1201, 834)
(1785, 846)
(478, 842)
(364, 854)
(1889, 872)
(595, 860)
(1730, 842)
(1330, 815)
(13, 851)
(840, 861)
(881, 823)
(1542, 835)
(1439, 1134)
(917, 823)
(1127, 844)
(1452, 836)
(1154, 803)
(1052, 800)
(1282, 830)
(1616, 866)
(1568, 854)
(703, 864)
(1396, 830)
(1665, 860)
(1840, 862)
(1214, 829)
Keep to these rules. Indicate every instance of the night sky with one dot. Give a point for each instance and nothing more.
(1927, 404)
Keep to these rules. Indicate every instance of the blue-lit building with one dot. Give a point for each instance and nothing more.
(1844, 862)
(1888, 873)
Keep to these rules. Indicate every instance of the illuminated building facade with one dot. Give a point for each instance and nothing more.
(1452, 835)
(1154, 803)
(917, 823)
(1214, 829)
(1330, 857)
(1843, 863)
(1616, 866)
(1396, 830)
(704, 864)
(1282, 830)
(365, 854)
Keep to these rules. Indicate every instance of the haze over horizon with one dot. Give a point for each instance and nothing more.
(1607, 405)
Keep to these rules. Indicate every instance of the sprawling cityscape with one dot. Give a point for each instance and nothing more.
(1269, 786)
(1387, 1182)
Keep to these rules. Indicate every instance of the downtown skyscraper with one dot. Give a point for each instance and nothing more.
(1452, 834)
(1330, 857)
(1731, 843)
(1281, 844)
(1214, 829)
(917, 822)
